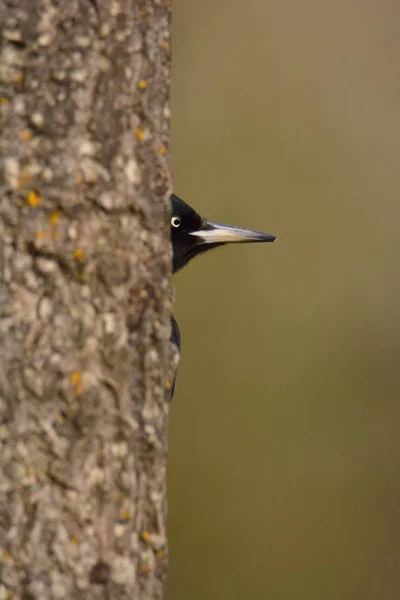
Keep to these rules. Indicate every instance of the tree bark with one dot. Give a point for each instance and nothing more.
(85, 298)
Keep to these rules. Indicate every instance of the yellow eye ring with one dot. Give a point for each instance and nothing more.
(175, 221)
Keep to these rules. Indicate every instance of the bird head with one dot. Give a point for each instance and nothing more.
(192, 235)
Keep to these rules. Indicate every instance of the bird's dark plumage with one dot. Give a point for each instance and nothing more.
(175, 339)
(192, 235)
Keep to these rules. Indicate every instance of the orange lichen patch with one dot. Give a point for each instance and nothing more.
(78, 254)
(41, 235)
(160, 553)
(117, 497)
(139, 133)
(54, 218)
(162, 150)
(142, 85)
(76, 379)
(164, 45)
(23, 179)
(146, 536)
(125, 515)
(4, 100)
(144, 568)
(5, 556)
(33, 199)
(168, 384)
(79, 179)
(18, 77)
(74, 540)
(26, 135)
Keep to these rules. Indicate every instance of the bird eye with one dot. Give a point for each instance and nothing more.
(175, 221)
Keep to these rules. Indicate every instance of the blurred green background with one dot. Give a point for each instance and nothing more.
(284, 464)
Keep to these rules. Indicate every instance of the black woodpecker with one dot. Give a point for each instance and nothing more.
(192, 235)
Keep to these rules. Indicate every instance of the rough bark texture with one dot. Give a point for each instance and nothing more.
(85, 297)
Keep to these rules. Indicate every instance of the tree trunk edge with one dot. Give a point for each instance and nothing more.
(85, 294)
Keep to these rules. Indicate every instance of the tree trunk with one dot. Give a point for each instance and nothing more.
(85, 298)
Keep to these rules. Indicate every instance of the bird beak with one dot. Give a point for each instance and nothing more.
(216, 233)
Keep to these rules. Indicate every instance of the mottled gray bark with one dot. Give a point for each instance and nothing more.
(85, 297)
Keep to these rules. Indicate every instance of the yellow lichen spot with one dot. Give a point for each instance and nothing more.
(144, 568)
(79, 179)
(74, 540)
(4, 100)
(54, 218)
(4, 555)
(23, 179)
(26, 135)
(146, 536)
(139, 133)
(40, 235)
(164, 45)
(142, 85)
(125, 515)
(18, 77)
(160, 553)
(78, 254)
(167, 384)
(76, 379)
(162, 149)
(33, 199)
